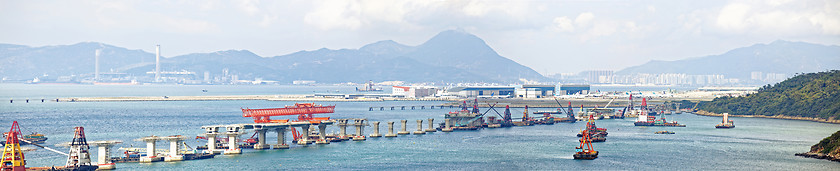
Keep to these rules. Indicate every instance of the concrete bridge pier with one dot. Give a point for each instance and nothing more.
(281, 139)
(431, 127)
(390, 130)
(359, 134)
(403, 132)
(322, 134)
(375, 130)
(446, 127)
(419, 128)
(261, 139)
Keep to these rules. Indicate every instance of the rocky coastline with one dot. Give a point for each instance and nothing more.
(821, 120)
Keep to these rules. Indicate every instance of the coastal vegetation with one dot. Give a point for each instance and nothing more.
(814, 95)
(828, 148)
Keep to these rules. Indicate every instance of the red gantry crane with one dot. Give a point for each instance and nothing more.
(13, 159)
(303, 110)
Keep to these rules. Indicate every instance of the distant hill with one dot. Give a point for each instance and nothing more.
(815, 95)
(450, 56)
(777, 57)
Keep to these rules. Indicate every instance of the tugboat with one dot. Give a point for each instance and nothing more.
(585, 151)
(726, 123)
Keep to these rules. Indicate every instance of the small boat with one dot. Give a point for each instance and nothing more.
(664, 132)
(726, 123)
(35, 138)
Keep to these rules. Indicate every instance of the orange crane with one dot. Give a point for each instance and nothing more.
(303, 110)
(13, 159)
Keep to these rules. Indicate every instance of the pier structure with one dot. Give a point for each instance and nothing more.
(175, 142)
(342, 126)
(261, 136)
(375, 130)
(322, 134)
(447, 126)
(151, 146)
(390, 130)
(210, 133)
(233, 133)
(360, 125)
(403, 132)
(281, 138)
(103, 160)
(431, 127)
(419, 128)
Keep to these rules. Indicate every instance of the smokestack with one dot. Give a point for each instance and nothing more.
(157, 63)
(96, 67)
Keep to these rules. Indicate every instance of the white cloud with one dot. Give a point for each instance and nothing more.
(734, 17)
(584, 19)
(250, 7)
(563, 24)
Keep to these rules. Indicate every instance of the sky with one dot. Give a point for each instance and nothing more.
(548, 36)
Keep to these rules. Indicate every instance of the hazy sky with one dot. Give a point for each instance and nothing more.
(548, 36)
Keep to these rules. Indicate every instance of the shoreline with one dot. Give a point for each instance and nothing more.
(820, 120)
(819, 156)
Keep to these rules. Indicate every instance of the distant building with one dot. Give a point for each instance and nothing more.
(483, 91)
(413, 91)
(303, 82)
(574, 89)
(535, 91)
(599, 76)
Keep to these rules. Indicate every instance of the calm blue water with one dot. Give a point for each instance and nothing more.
(755, 144)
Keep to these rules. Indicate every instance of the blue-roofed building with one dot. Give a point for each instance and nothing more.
(483, 91)
(574, 89)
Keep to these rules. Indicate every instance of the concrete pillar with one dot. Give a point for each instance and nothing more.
(174, 155)
(375, 130)
(104, 159)
(281, 139)
(403, 132)
(260, 139)
(151, 147)
(419, 127)
(211, 143)
(342, 125)
(360, 123)
(446, 126)
(390, 130)
(233, 147)
(431, 127)
(304, 137)
(322, 134)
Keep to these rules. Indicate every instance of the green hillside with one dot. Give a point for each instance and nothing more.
(807, 95)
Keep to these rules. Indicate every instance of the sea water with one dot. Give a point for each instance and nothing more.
(754, 144)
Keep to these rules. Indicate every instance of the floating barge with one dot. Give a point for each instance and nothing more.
(726, 123)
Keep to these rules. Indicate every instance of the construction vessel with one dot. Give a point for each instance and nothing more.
(595, 134)
(464, 119)
(585, 150)
(663, 132)
(726, 123)
(645, 120)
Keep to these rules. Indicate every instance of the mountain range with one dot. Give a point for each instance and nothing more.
(783, 57)
(450, 56)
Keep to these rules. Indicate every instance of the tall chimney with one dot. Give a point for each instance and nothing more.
(96, 70)
(157, 63)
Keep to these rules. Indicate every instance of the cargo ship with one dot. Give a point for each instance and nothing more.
(726, 123)
(645, 120)
(663, 132)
